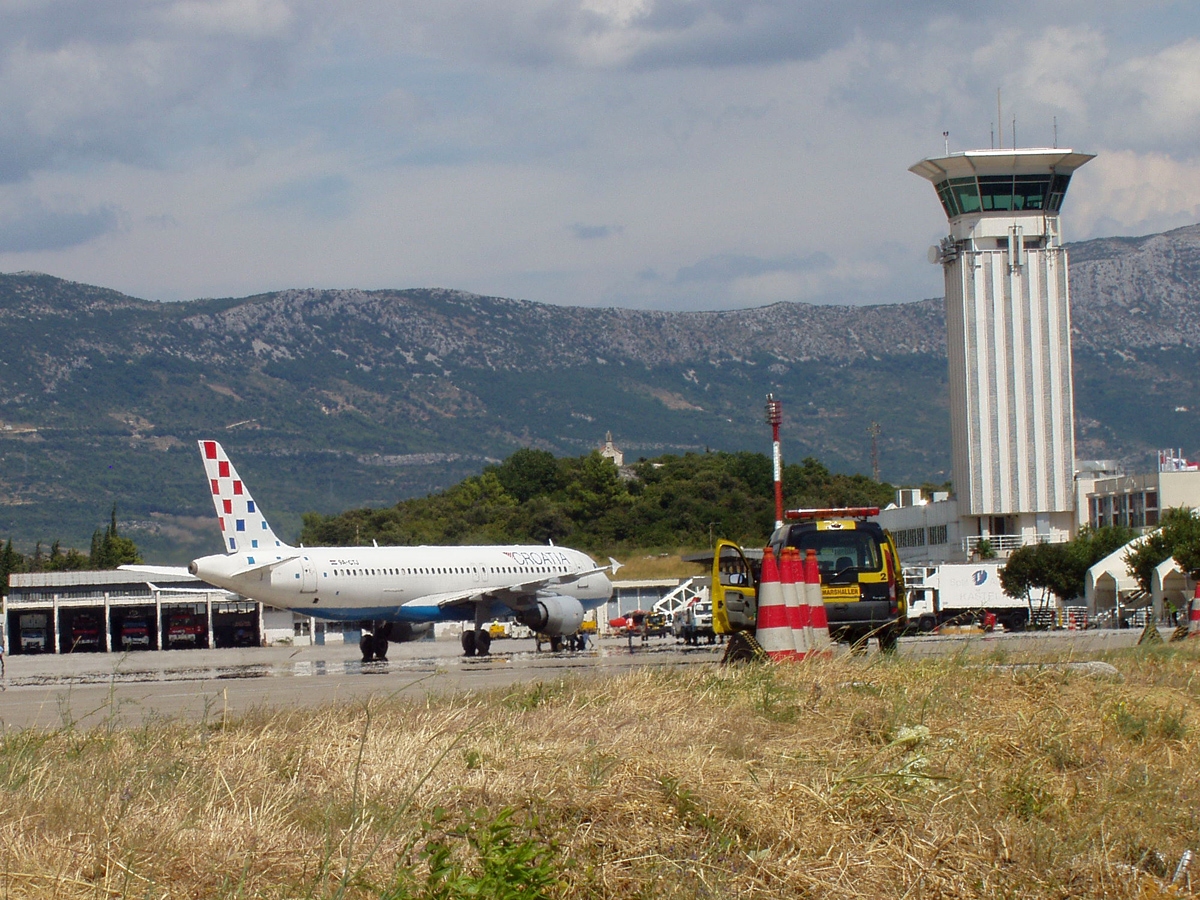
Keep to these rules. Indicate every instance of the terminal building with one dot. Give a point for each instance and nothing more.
(1008, 338)
(1137, 501)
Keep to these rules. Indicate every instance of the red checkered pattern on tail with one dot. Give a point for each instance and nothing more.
(773, 632)
(243, 527)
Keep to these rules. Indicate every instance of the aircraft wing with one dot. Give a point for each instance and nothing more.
(510, 594)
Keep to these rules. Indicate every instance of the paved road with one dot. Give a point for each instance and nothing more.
(90, 689)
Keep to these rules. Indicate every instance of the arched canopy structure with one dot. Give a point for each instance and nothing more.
(1109, 582)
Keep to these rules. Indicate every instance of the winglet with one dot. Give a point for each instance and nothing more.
(613, 565)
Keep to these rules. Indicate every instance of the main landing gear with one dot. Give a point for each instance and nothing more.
(375, 646)
(476, 642)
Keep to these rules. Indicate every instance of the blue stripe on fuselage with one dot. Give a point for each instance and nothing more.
(402, 613)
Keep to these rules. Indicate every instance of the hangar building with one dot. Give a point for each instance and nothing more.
(118, 611)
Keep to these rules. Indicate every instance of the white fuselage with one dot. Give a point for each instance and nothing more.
(414, 584)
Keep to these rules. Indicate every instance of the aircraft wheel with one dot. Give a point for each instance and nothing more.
(483, 643)
(468, 642)
(381, 647)
(556, 643)
(366, 644)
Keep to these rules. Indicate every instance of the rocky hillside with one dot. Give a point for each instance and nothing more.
(334, 399)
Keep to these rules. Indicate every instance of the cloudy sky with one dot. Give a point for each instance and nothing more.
(671, 154)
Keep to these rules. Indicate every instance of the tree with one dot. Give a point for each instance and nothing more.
(529, 473)
(1178, 535)
(1061, 568)
(10, 561)
(585, 502)
(111, 550)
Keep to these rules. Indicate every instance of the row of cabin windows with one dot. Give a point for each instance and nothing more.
(454, 570)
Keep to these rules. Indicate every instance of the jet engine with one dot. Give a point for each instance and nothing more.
(555, 615)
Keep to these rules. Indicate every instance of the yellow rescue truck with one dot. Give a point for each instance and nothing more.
(862, 583)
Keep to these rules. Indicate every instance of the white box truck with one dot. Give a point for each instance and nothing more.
(34, 638)
(961, 594)
(694, 621)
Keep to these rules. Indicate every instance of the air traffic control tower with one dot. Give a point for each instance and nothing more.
(1008, 330)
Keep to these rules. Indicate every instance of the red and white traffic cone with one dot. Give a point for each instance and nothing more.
(792, 574)
(1194, 615)
(773, 631)
(818, 621)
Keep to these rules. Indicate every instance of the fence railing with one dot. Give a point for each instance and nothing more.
(1006, 543)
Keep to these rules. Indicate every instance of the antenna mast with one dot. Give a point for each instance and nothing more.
(999, 122)
(774, 419)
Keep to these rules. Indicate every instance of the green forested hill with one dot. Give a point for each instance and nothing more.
(663, 503)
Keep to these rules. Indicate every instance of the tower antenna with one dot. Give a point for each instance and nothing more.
(946, 138)
(999, 121)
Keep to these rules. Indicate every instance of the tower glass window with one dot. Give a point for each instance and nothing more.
(1002, 193)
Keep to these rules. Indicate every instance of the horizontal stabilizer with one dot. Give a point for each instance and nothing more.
(265, 567)
(174, 589)
(173, 571)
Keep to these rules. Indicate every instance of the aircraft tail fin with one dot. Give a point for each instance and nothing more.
(243, 526)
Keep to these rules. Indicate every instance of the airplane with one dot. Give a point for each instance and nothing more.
(402, 591)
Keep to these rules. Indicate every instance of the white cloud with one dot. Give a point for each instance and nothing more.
(229, 18)
(1128, 193)
(559, 149)
(1164, 92)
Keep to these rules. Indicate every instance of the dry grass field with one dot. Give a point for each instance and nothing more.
(840, 778)
(636, 567)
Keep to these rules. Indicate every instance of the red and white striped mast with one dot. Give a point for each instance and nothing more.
(774, 419)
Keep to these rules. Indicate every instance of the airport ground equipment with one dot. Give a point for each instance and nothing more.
(694, 621)
(862, 584)
(688, 610)
(184, 630)
(85, 632)
(961, 593)
(135, 634)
